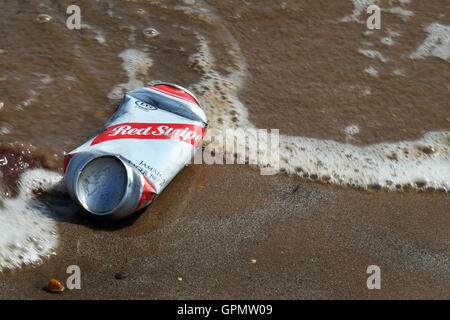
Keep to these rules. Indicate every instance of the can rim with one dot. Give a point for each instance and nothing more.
(178, 87)
(122, 199)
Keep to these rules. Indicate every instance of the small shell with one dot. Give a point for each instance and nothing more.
(55, 286)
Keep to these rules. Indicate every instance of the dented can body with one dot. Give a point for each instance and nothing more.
(153, 134)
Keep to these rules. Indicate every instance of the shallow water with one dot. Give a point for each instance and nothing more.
(368, 109)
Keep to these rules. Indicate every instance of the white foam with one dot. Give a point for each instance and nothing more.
(372, 71)
(27, 231)
(135, 63)
(373, 54)
(98, 34)
(44, 78)
(436, 44)
(405, 14)
(25, 103)
(100, 38)
(4, 130)
(352, 130)
(69, 77)
(388, 40)
(387, 165)
(392, 33)
(398, 72)
(140, 11)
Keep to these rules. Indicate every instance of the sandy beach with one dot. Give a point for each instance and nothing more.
(309, 241)
(226, 231)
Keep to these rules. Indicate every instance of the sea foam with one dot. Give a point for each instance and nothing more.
(27, 229)
(135, 63)
(436, 44)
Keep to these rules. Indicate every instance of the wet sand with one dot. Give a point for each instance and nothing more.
(310, 241)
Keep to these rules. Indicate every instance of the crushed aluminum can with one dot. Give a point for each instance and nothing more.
(152, 135)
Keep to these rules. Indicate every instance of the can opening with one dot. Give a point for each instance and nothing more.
(102, 184)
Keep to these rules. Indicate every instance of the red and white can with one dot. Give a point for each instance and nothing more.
(152, 135)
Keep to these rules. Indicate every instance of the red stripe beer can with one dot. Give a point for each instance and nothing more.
(152, 135)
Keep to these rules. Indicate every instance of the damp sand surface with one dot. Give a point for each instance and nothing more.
(309, 241)
(308, 68)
